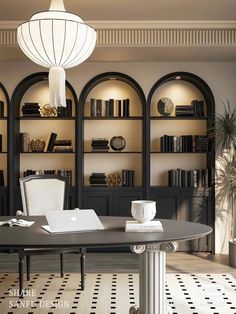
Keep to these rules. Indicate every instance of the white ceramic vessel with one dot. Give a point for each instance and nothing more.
(143, 211)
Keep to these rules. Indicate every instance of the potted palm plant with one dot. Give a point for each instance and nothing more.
(225, 137)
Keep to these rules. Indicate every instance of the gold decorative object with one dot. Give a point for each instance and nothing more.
(48, 111)
(114, 179)
(37, 145)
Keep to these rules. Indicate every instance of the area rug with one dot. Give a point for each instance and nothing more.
(115, 294)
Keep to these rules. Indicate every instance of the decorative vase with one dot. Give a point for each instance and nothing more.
(37, 145)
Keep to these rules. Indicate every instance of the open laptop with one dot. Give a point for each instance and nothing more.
(66, 221)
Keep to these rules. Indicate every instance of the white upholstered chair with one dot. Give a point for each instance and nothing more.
(39, 194)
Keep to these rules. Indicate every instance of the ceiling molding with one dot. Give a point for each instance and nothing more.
(148, 33)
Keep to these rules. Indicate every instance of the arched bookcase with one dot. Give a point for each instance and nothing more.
(34, 90)
(113, 104)
(181, 159)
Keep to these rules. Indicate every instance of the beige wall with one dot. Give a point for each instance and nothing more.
(221, 77)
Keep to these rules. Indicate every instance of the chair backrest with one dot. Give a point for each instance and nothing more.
(42, 193)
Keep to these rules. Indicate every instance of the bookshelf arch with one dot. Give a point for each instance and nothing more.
(4, 156)
(35, 86)
(189, 202)
(113, 86)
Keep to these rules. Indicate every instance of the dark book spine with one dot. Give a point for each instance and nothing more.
(125, 108)
(0, 142)
(124, 178)
(51, 142)
(170, 178)
(106, 108)
(165, 145)
(119, 108)
(111, 107)
(69, 107)
(127, 112)
(130, 178)
(92, 108)
(62, 143)
(162, 144)
(1, 109)
(99, 108)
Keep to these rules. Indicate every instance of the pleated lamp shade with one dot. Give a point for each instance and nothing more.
(58, 40)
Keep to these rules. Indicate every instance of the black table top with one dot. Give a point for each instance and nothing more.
(113, 235)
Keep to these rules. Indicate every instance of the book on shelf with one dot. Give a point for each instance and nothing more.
(31, 109)
(98, 179)
(1, 109)
(24, 142)
(65, 112)
(63, 149)
(92, 108)
(184, 110)
(126, 107)
(99, 144)
(199, 108)
(0, 142)
(111, 107)
(98, 108)
(184, 143)
(127, 178)
(188, 178)
(1, 178)
(119, 110)
(149, 226)
(106, 110)
(51, 141)
(62, 142)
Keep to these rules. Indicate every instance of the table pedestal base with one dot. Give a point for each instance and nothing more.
(152, 263)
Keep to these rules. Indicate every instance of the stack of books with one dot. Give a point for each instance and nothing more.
(196, 109)
(149, 226)
(100, 145)
(65, 112)
(188, 178)
(31, 109)
(109, 108)
(62, 146)
(98, 179)
(181, 111)
(63, 173)
(24, 141)
(127, 178)
(1, 109)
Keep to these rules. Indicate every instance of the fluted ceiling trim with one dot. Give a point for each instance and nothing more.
(148, 33)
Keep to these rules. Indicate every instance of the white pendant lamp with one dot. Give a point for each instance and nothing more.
(57, 40)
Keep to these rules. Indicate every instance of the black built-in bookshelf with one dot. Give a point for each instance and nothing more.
(4, 155)
(179, 198)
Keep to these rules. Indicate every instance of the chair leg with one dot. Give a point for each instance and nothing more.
(62, 264)
(82, 268)
(28, 266)
(21, 272)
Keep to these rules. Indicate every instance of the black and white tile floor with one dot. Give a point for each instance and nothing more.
(115, 294)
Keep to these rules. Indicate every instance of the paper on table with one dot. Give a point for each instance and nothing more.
(15, 222)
